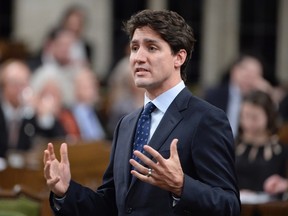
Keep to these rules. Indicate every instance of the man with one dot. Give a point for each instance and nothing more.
(187, 168)
(244, 76)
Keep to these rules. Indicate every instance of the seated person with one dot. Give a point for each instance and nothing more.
(259, 155)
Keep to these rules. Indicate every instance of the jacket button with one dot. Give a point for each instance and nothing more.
(129, 210)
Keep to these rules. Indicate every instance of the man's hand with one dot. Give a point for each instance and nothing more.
(57, 174)
(165, 173)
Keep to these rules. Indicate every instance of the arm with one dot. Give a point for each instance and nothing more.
(78, 200)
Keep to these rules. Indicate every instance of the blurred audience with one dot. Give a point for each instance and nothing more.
(245, 75)
(59, 65)
(259, 155)
(86, 106)
(124, 96)
(20, 122)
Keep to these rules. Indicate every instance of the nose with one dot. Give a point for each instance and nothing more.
(139, 55)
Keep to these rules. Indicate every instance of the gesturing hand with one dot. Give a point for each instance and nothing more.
(57, 174)
(165, 173)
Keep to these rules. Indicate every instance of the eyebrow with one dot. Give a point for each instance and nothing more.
(146, 41)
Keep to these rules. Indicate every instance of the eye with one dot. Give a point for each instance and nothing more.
(152, 48)
(134, 48)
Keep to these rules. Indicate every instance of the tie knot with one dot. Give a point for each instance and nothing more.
(149, 108)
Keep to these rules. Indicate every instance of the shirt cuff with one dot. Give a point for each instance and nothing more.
(58, 202)
(175, 200)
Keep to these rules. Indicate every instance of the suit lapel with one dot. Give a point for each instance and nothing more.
(127, 152)
(169, 121)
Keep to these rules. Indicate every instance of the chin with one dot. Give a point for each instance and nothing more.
(141, 83)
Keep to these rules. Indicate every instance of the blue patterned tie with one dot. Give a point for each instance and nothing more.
(143, 129)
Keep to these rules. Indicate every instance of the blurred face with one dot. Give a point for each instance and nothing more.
(75, 23)
(49, 98)
(253, 119)
(246, 74)
(15, 79)
(153, 65)
(61, 47)
(86, 87)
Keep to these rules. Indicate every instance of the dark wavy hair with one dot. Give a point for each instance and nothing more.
(170, 26)
(263, 100)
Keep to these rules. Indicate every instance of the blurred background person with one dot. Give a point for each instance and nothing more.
(14, 79)
(124, 97)
(74, 20)
(59, 65)
(52, 109)
(56, 50)
(87, 108)
(259, 155)
(244, 76)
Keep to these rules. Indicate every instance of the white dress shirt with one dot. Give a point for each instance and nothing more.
(162, 102)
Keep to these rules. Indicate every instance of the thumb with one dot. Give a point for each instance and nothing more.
(64, 153)
(173, 149)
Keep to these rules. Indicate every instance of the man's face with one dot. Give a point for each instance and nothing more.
(16, 79)
(61, 47)
(153, 65)
(247, 74)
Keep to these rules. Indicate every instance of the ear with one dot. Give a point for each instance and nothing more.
(180, 58)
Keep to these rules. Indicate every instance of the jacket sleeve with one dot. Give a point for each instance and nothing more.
(215, 190)
(81, 200)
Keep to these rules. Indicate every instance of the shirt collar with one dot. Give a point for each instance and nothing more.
(163, 101)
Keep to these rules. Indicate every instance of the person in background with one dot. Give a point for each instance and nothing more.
(179, 160)
(85, 109)
(50, 107)
(124, 96)
(59, 65)
(74, 20)
(244, 76)
(259, 155)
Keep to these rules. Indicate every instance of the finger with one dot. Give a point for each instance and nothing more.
(155, 154)
(51, 151)
(173, 149)
(64, 153)
(47, 170)
(46, 157)
(146, 160)
(139, 167)
(52, 182)
(142, 177)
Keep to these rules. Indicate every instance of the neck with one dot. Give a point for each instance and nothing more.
(256, 139)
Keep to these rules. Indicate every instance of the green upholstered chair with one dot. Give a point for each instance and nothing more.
(19, 206)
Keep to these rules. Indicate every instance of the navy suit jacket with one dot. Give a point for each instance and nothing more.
(206, 152)
(219, 96)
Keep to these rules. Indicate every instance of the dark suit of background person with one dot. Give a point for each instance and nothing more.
(205, 141)
(245, 75)
(28, 129)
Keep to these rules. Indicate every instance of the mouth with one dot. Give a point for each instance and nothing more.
(140, 69)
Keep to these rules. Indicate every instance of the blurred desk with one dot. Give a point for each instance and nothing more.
(279, 208)
(88, 161)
